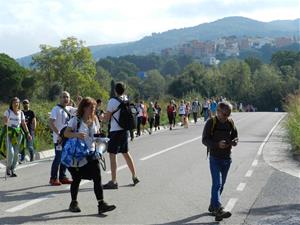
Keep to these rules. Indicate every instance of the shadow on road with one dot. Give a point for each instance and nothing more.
(42, 217)
(13, 195)
(275, 210)
(189, 220)
(288, 214)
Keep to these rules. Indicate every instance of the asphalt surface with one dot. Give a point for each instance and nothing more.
(174, 188)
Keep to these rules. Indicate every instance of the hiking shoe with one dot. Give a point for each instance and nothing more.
(104, 207)
(110, 185)
(135, 180)
(65, 180)
(74, 207)
(54, 182)
(211, 208)
(220, 214)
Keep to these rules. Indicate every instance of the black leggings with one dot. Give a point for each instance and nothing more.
(91, 171)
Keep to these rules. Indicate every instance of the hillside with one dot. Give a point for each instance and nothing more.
(238, 26)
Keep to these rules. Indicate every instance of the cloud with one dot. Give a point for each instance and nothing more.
(25, 24)
(271, 9)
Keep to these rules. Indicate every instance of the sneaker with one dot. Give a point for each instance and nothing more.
(104, 207)
(220, 214)
(8, 173)
(135, 180)
(110, 185)
(65, 180)
(54, 182)
(74, 207)
(13, 174)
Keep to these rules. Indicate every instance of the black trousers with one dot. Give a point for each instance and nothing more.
(90, 171)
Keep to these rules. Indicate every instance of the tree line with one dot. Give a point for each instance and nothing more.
(71, 67)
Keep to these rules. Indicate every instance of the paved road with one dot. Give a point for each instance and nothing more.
(174, 188)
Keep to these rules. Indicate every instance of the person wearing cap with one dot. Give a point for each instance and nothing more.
(30, 121)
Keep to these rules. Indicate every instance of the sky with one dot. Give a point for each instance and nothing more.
(25, 24)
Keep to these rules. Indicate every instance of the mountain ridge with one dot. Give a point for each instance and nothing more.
(227, 26)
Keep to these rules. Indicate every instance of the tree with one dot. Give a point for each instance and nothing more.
(71, 65)
(267, 88)
(193, 78)
(237, 80)
(171, 68)
(254, 63)
(153, 86)
(11, 77)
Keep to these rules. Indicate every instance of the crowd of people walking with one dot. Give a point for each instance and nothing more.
(76, 126)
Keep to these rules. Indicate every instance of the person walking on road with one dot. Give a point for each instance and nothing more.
(205, 109)
(170, 113)
(182, 112)
(60, 115)
(157, 116)
(195, 109)
(13, 137)
(219, 135)
(30, 120)
(151, 112)
(84, 126)
(118, 142)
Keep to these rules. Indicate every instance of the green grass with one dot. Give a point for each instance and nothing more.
(43, 138)
(293, 121)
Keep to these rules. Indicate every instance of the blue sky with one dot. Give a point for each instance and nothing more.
(25, 24)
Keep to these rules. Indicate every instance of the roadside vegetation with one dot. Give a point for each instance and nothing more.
(293, 121)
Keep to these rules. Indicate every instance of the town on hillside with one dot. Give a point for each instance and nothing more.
(210, 52)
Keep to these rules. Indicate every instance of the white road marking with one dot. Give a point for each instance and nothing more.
(249, 173)
(26, 166)
(118, 169)
(230, 204)
(170, 148)
(268, 136)
(255, 162)
(81, 183)
(178, 145)
(21, 166)
(241, 187)
(29, 203)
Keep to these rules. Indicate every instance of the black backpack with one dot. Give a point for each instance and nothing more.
(126, 119)
(62, 131)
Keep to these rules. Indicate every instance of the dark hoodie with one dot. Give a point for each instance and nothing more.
(222, 131)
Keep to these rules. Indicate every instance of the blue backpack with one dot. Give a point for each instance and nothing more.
(74, 153)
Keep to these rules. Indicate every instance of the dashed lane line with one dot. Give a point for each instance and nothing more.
(255, 163)
(241, 187)
(249, 173)
(230, 204)
(268, 136)
(29, 203)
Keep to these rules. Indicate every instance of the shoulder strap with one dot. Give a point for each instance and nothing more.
(78, 123)
(65, 110)
(119, 100)
(231, 124)
(213, 126)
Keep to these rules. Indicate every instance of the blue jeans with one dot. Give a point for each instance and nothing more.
(12, 153)
(30, 147)
(219, 169)
(57, 164)
(206, 114)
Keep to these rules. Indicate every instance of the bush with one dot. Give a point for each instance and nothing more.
(293, 122)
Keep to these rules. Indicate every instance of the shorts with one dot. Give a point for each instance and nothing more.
(144, 120)
(118, 142)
